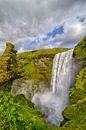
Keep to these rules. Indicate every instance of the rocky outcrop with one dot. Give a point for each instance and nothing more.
(40, 64)
(27, 87)
(79, 52)
(8, 64)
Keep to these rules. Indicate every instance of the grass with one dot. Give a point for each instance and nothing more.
(16, 113)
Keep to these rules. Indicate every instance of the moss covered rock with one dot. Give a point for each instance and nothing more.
(80, 51)
(75, 113)
(8, 64)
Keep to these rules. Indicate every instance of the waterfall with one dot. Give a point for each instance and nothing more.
(53, 102)
(61, 75)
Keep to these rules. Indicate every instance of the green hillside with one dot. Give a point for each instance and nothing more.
(75, 114)
(37, 64)
(18, 113)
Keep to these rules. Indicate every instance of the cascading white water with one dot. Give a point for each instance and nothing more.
(53, 102)
(61, 76)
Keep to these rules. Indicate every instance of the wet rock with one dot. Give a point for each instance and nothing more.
(27, 87)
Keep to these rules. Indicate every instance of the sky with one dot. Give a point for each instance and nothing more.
(37, 24)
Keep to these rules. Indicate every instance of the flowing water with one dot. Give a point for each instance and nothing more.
(53, 102)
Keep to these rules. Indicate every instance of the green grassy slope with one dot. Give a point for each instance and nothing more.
(37, 64)
(75, 113)
(16, 113)
(80, 51)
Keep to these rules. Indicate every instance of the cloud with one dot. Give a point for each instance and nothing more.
(25, 21)
(73, 32)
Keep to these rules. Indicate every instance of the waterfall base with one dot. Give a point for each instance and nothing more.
(50, 104)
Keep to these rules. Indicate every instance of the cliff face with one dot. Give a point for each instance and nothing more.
(34, 70)
(8, 64)
(75, 113)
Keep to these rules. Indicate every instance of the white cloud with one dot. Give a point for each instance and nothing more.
(74, 30)
(24, 19)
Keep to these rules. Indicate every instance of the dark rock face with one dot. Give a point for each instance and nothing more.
(8, 64)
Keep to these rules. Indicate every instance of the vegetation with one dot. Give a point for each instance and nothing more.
(75, 116)
(80, 51)
(75, 113)
(37, 64)
(17, 113)
(8, 64)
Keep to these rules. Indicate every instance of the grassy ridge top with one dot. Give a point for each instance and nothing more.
(37, 64)
(41, 53)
